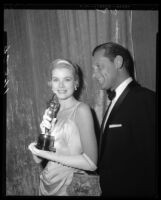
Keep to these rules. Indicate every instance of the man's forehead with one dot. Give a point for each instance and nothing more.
(99, 57)
(99, 53)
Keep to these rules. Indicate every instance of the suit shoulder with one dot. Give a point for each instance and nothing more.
(141, 98)
(143, 92)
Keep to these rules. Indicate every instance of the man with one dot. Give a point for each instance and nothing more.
(127, 151)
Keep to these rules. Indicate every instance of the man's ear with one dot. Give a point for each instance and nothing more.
(118, 61)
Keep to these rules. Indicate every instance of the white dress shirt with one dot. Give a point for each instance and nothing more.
(119, 90)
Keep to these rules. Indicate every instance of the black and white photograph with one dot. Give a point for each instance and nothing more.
(80, 94)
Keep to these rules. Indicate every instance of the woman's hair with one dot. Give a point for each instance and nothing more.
(64, 63)
(112, 50)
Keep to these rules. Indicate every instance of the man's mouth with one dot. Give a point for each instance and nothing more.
(100, 80)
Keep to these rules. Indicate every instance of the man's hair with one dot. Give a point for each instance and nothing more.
(112, 50)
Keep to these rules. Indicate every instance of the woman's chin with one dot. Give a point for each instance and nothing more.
(63, 96)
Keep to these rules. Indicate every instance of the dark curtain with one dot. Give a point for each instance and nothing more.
(34, 39)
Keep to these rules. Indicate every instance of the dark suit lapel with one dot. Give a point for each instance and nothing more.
(118, 103)
(113, 112)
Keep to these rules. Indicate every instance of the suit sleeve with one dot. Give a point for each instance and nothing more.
(144, 134)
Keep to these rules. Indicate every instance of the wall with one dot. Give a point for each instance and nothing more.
(144, 30)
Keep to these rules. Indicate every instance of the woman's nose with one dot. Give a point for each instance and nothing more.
(61, 84)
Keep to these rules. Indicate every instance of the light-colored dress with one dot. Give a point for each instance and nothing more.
(55, 177)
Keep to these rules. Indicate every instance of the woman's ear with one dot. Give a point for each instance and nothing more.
(118, 61)
(49, 84)
(76, 84)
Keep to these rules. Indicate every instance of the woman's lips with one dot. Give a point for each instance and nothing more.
(62, 91)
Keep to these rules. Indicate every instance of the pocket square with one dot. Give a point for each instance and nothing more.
(115, 125)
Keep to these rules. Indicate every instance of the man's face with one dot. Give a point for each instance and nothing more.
(105, 71)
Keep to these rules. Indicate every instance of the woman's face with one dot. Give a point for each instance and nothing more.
(63, 82)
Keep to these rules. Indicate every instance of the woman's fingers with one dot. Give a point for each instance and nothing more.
(45, 124)
(46, 115)
(37, 159)
(32, 148)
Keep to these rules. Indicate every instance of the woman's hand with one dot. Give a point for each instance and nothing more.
(37, 159)
(40, 153)
(33, 149)
(46, 123)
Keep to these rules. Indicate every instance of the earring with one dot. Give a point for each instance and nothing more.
(75, 87)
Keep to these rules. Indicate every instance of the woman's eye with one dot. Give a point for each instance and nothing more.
(68, 79)
(54, 79)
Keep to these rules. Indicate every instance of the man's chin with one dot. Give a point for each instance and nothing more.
(102, 86)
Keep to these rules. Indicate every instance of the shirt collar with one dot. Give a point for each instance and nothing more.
(122, 87)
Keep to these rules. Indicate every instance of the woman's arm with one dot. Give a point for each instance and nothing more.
(81, 161)
(88, 159)
(85, 124)
(37, 159)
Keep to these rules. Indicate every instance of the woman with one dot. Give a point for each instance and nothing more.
(75, 141)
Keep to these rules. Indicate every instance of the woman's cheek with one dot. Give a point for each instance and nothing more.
(54, 87)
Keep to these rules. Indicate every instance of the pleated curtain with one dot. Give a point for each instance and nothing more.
(34, 39)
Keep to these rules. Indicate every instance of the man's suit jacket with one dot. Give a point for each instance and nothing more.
(127, 163)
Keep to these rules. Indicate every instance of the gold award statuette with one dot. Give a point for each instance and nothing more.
(46, 141)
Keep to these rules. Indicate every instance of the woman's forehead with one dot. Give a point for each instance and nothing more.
(62, 70)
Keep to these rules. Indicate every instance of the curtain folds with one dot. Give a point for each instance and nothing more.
(36, 38)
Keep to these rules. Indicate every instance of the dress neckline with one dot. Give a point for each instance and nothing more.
(71, 107)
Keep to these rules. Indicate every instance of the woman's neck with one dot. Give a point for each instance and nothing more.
(67, 103)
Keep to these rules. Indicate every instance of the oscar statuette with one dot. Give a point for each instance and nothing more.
(46, 141)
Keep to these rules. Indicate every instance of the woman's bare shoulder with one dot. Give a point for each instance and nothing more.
(83, 110)
(83, 107)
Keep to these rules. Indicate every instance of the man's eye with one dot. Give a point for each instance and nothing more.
(97, 67)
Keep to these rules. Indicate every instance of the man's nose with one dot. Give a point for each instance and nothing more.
(95, 74)
(95, 71)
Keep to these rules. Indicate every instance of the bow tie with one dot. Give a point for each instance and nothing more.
(111, 94)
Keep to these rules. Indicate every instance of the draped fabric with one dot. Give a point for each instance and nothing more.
(34, 39)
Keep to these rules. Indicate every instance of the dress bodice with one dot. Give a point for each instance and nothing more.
(66, 132)
(55, 177)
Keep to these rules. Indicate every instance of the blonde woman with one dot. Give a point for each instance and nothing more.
(75, 140)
